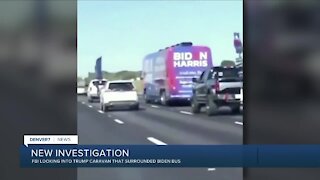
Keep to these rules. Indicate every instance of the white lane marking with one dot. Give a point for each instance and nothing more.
(156, 141)
(154, 106)
(186, 112)
(240, 123)
(211, 169)
(118, 121)
(109, 115)
(89, 106)
(83, 102)
(100, 111)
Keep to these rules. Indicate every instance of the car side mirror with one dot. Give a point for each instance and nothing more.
(194, 80)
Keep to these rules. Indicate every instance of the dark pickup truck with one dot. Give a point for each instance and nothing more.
(217, 86)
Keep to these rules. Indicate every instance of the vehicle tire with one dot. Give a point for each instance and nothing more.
(104, 108)
(90, 99)
(211, 107)
(195, 106)
(135, 107)
(163, 99)
(146, 99)
(235, 110)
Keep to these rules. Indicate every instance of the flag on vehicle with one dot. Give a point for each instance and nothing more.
(98, 68)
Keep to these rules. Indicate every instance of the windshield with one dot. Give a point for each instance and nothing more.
(121, 86)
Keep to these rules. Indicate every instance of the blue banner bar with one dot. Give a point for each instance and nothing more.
(170, 156)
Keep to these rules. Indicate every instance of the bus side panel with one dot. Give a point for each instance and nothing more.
(160, 73)
(163, 72)
(170, 85)
(154, 74)
(147, 74)
(152, 88)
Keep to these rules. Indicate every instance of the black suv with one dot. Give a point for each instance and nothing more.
(217, 86)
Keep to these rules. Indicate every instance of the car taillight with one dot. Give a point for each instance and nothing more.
(216, 86)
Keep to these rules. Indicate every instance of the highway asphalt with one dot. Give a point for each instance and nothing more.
(155, 124)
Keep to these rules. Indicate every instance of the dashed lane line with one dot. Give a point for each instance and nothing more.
(156, 141)
(100, 111)
(239, 123)
(118, 121)
(211, 169)
(186, 112)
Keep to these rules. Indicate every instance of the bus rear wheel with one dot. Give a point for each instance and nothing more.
(146, 98)
(195, 106)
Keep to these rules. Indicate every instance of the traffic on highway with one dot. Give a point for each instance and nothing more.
(188, 102)
(160, 73)
(154, 124)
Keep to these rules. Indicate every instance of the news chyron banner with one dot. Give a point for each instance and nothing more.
(56, 151)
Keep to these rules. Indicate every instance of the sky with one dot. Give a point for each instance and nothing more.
(124, 32)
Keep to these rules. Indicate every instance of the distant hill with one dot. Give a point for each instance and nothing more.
(121, 75)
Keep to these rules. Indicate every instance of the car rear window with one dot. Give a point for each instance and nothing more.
(121, 86)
